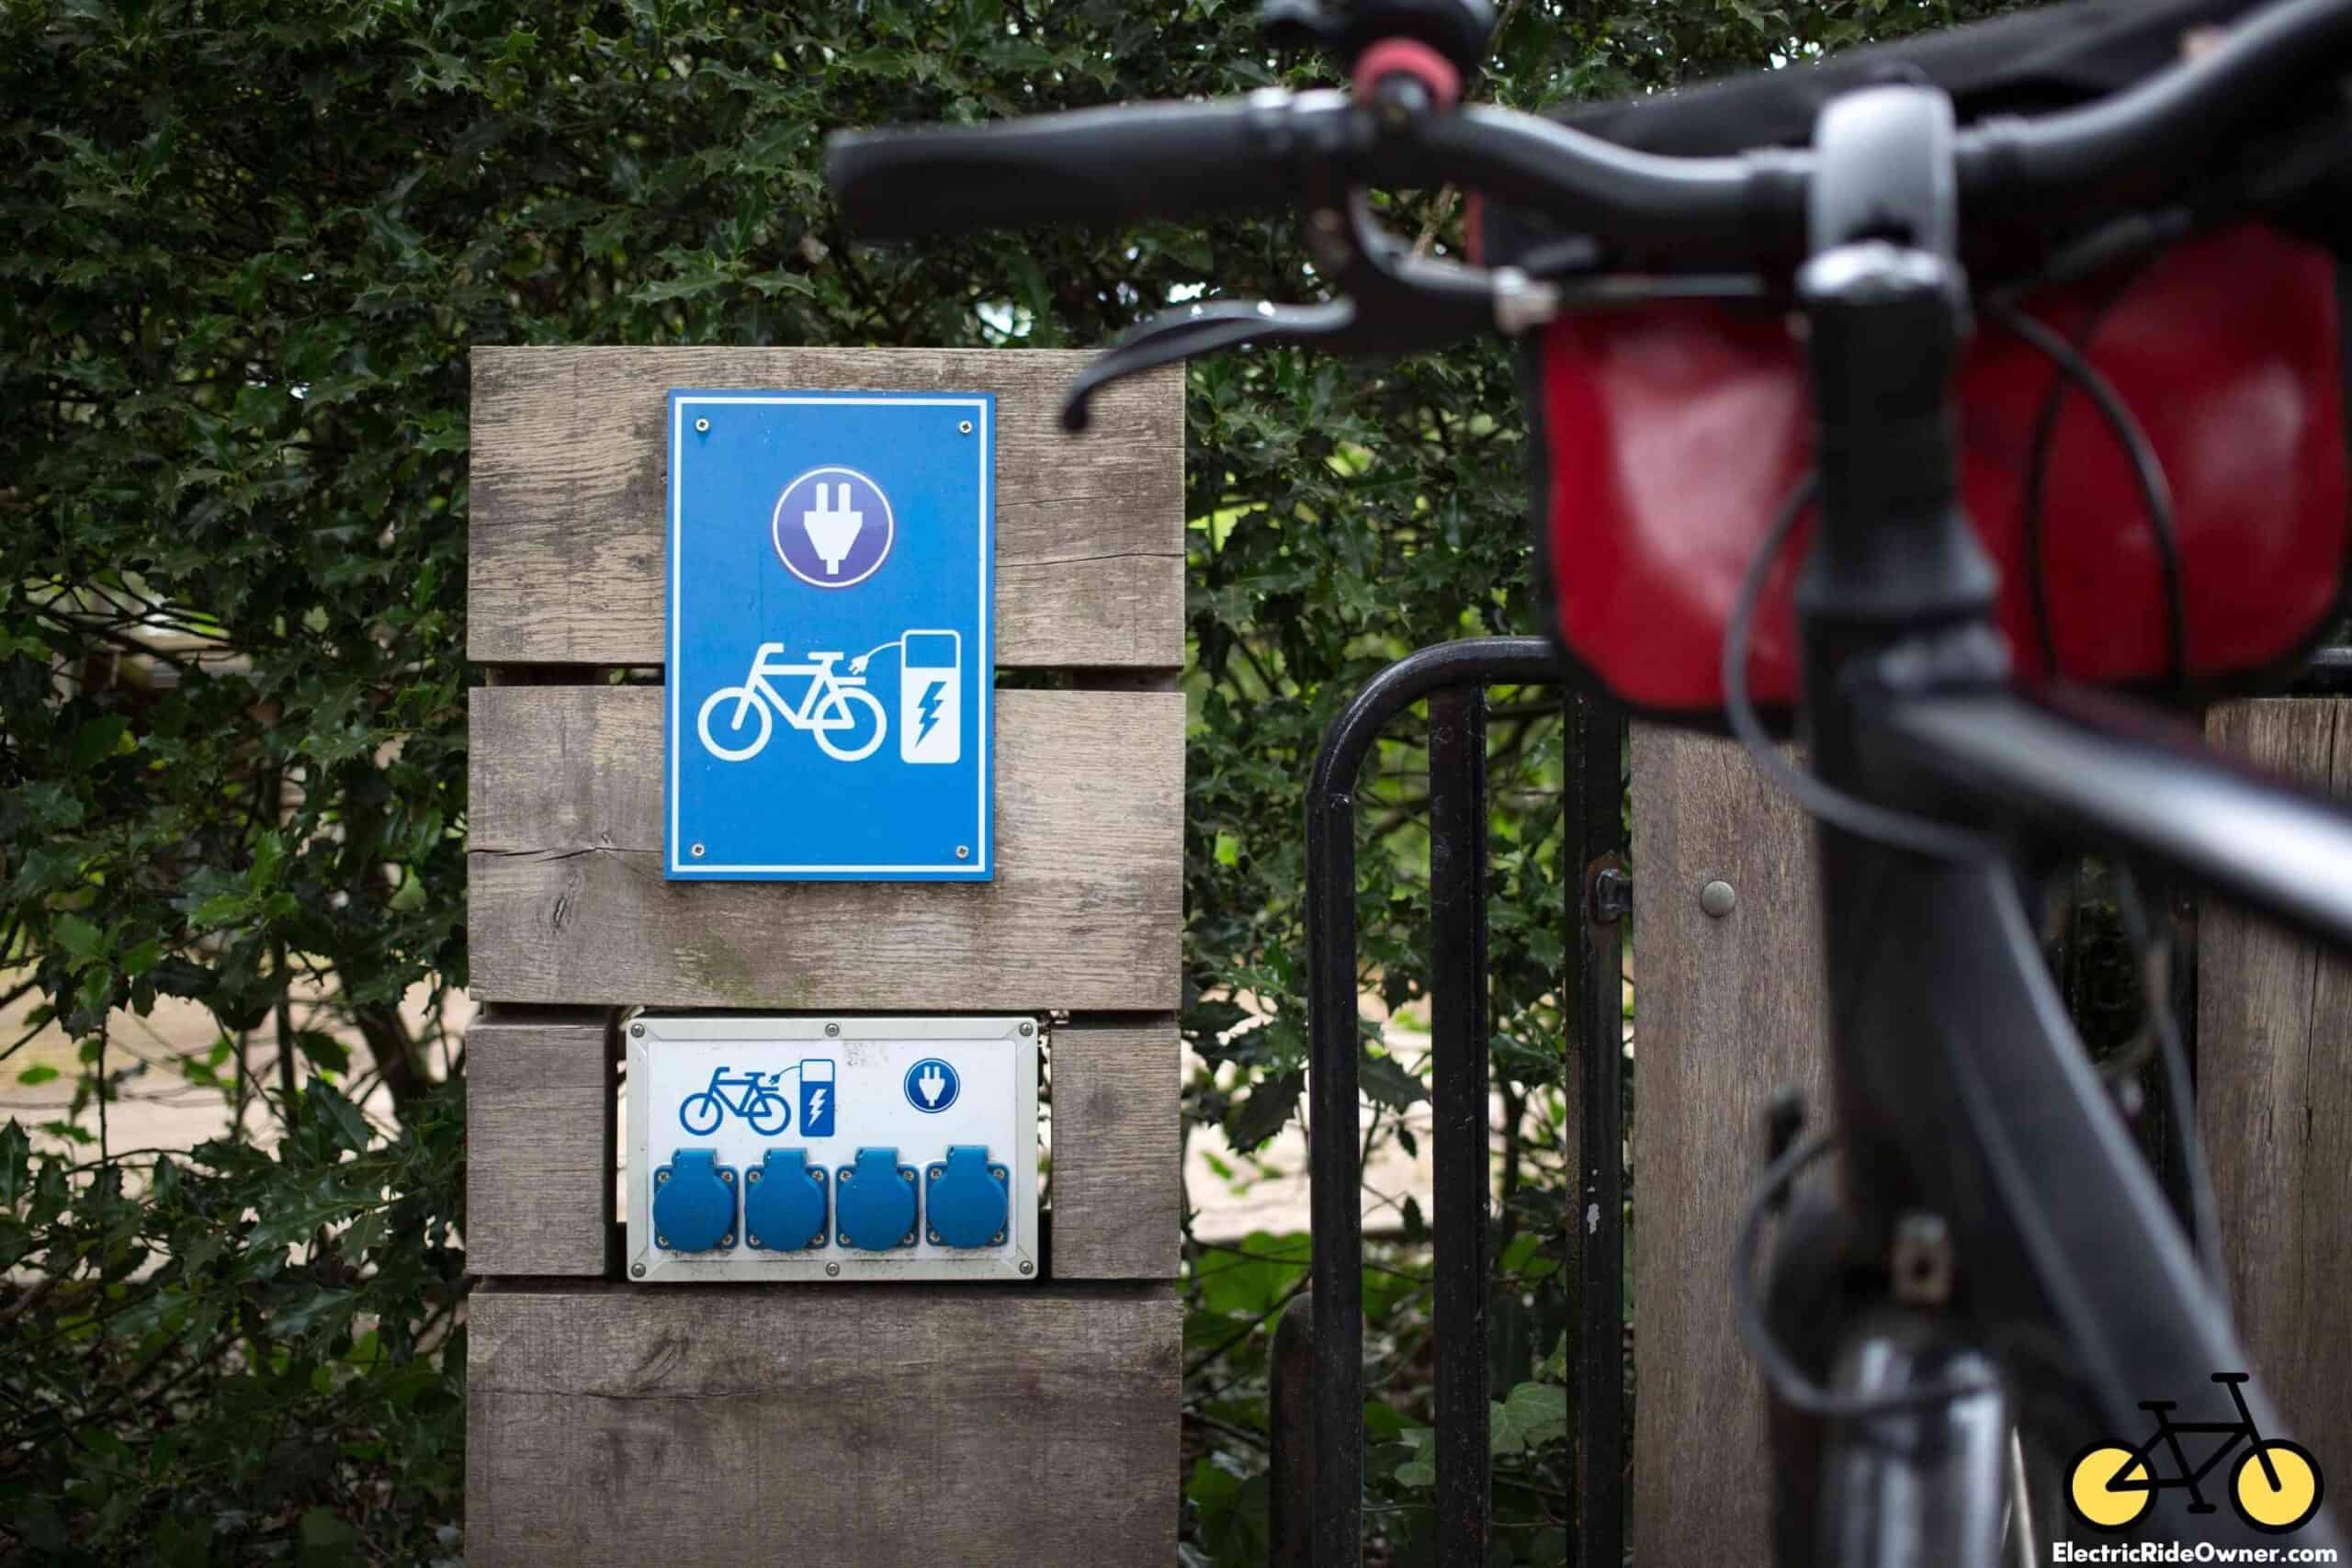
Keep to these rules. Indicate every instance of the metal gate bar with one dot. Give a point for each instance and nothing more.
(1593, 778)
(1457, 748)
(1317, 1462)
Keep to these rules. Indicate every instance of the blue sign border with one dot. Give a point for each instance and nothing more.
(982, 866)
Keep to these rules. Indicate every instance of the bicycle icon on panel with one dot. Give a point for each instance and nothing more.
(2275, 1485)
(757, 1098)
(845, 720)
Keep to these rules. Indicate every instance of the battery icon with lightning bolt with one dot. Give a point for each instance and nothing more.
(815, 1097)
(930, 704)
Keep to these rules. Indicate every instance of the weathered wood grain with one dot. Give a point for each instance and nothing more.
(539, 1143)
(1118, 1183)
(1727, 1011)
(2274, 1101)
(853, 1426)
(568, 903)
(569, 480)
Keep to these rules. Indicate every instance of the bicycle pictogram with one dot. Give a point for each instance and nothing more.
(2275, 1486)
(757, 1098)
(836, 709)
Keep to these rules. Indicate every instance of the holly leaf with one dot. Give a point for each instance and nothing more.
(1388, 1082)
(1263, 1114)
(81, 940)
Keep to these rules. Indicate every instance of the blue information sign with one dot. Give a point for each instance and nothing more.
(830, 575)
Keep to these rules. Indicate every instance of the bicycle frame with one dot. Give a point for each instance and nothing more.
(822, 682)
(755, 1090)
(1961, 1091)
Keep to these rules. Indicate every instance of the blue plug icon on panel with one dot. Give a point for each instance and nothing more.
(968, 1198)
(874, 1202)
(783, 1203)
(693, 1203)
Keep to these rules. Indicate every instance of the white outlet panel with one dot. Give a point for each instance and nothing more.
(727, 1098)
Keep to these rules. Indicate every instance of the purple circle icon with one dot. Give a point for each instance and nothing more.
(832, 527)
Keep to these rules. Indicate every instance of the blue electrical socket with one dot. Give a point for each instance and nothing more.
(693, 1203)
(968, 1199)
(874, 1202)
(783, 1203)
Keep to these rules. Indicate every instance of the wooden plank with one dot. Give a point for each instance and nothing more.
(1118, 1182)
(539, 1143)
(569, 478)
(539, 1180)
(567, 903)
(724, 1427)
(2274, 1101)
(1725, 1011)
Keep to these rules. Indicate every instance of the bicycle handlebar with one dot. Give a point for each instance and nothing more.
(1166, 160)
(1182, 160)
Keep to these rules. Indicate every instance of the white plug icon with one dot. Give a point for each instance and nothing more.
(931, 1081)
(832, 525)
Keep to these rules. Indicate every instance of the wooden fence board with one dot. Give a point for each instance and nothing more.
(2274, 1049)
(727, 1427)
(568, 903)
(540, 1176)
(539, 1143)
(1118, 1182)
(569, 485)
(1727, 1011)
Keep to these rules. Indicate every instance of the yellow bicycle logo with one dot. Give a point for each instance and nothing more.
(2275, 1486)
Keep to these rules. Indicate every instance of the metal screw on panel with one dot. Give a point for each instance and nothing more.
(638, 1029)
(935, 1238)
(660, 1177)
(751, 1176)
(997, 1240)
(695, 852)
(832, 1268)
(963, 852)
(1028, 1267)
(662, 1242)
(907, 1239)
(727, 1240)
(963, 427)
(752, 1240)
(702, 427)
(728, 1176)
(831, 1030)
(637, 1271)
(1028, 1029)
(1717, 897)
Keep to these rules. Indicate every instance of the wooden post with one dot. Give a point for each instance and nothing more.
(2274, 1102)
(1727, 1008)
(702, 1426)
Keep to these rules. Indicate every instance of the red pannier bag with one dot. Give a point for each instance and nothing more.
(1668, 437)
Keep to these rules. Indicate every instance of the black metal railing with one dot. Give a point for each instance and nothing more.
(1317, 1395)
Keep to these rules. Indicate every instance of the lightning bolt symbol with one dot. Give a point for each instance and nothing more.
(816, 1103)
(932, 699)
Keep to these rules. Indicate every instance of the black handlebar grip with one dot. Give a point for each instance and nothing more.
(1168, 160)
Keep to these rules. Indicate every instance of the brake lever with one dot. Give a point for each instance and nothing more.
(1390, 301)
(1176, 335)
